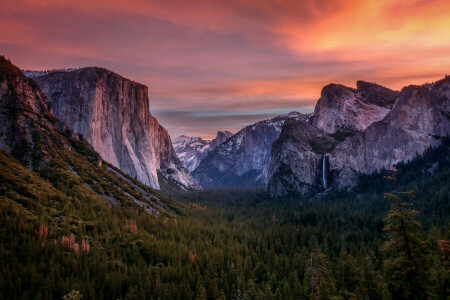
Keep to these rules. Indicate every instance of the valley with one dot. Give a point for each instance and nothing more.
(95, 202)
(221, 244)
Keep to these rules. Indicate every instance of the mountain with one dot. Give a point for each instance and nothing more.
(339, 144)
(112, 114)
(191, 150)
(243, 159)
(344, 108)
(45, 166)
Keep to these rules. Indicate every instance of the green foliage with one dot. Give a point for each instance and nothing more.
(218, 244)
(408, 264)
(318, 281)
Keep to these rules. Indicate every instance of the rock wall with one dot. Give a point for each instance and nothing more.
(416, 119)
(112, 113)
(344, 108)
(243, 159)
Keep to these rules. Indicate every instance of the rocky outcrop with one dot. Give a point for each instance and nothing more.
(243, 159)
(221, 137)
(191, 150)
(298, 160)
(112, 114)
(344, 108)
(419, 119)
(310, 159)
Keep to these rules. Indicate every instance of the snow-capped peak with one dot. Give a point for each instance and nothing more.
(191, 150)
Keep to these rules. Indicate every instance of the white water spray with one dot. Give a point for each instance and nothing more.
(324, 178)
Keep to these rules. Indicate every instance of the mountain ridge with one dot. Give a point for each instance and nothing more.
(339, 149)
(191, 150)
(243, 159)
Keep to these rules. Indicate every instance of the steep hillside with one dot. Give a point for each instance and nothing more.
(61, 161)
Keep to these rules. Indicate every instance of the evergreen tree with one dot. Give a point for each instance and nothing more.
(407, 264)
(370, 285)
(318, 282)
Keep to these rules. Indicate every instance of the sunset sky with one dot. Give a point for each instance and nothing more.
(215, 64)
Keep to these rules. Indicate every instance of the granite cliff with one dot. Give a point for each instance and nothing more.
(243, 159)
(357, 131)
(65, 165)
(112, 113)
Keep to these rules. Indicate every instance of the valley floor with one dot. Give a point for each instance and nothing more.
(227, 244)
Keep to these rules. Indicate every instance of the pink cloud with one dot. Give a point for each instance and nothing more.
(233, 58)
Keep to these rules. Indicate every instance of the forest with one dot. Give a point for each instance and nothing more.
(385, 239)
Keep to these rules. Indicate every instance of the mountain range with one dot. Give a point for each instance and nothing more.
(243, 159)
(352, 131)
(191, 150)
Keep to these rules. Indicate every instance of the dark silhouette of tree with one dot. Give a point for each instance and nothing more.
(408, 261)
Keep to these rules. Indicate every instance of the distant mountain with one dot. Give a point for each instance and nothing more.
(57, 166)
(357, 131)
(191, 150)
(112, 114)
(243, 159)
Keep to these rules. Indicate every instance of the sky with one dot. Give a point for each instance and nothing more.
(221, 65)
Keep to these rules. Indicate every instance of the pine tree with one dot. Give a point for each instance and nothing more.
(407, 264)
(318, 281)
(369, 287)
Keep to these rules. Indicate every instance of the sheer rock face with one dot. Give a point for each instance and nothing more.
(243, 159)
(296, 160)
(29, 131)
(341, 107)
(418, 119)
(23, 111)
(112, 114)
(191, 150)
(167, 161)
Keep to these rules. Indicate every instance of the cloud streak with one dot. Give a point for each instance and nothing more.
(236, 60)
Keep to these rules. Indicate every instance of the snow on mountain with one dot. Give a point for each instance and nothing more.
(243, 159)
(191, 150)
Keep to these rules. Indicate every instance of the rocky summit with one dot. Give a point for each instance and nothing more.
(191, 150)
(357, 131)
(112, 114)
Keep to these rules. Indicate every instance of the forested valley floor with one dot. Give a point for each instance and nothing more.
(230, 244)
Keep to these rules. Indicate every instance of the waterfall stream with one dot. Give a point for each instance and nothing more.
(324, 173)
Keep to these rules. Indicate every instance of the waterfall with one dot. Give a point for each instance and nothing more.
(324, 173)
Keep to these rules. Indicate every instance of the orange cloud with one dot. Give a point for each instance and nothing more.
(233, 57)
